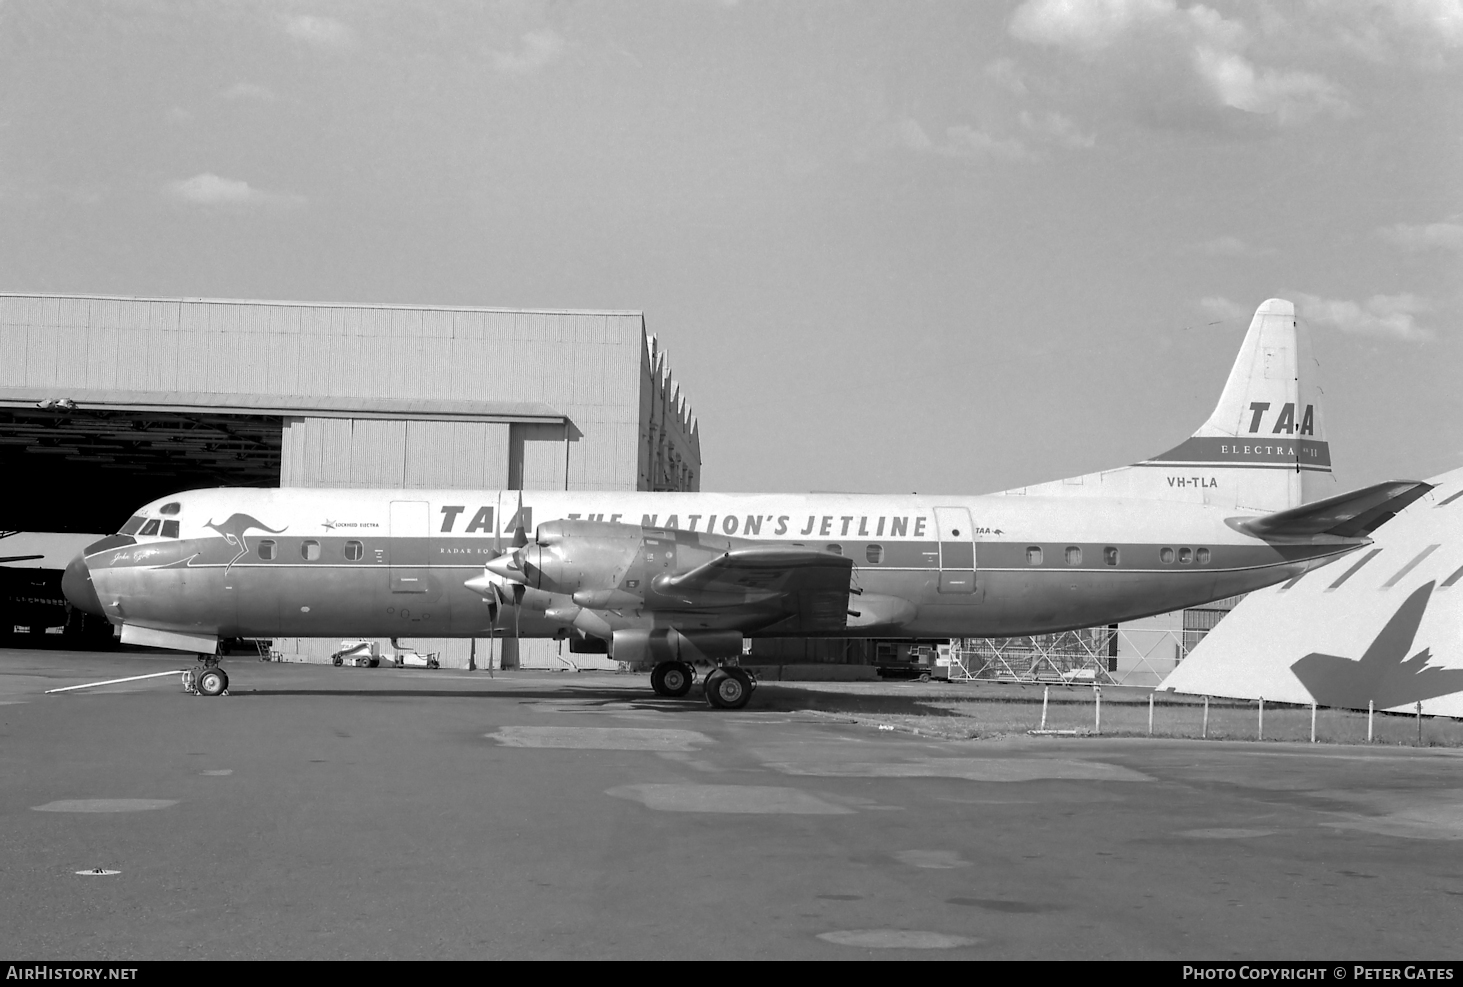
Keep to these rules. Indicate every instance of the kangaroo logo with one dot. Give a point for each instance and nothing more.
(1384, 675)
(234, 531)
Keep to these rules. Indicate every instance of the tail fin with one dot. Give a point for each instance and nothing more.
(1263, 449)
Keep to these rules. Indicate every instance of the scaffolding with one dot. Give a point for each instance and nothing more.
(1087, 656)
(1112, 655)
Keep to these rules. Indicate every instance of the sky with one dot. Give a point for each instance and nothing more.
(933, 246)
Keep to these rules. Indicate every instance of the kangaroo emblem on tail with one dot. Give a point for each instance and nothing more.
(235, 529)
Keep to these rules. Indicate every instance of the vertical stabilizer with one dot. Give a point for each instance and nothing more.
(1263, 449)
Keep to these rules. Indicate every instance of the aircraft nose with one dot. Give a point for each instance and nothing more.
(76, 584)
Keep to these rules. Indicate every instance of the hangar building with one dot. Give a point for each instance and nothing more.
(106, 403)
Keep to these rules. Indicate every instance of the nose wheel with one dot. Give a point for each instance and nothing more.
(207, 679)
(729, 688)
(672, 679)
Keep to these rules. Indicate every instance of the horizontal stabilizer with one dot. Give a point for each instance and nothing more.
(1348, 515)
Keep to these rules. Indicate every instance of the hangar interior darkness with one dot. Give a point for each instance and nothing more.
(87, 469)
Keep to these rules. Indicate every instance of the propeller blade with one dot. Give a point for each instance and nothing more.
(520, 536)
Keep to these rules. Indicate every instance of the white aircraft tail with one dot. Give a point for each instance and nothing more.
(1263, 449)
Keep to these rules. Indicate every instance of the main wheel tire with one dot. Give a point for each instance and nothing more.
(212, 682)
(728, 688)
(671, 679)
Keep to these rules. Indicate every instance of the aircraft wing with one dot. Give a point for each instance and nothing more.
(1349, 515)
(810, 588)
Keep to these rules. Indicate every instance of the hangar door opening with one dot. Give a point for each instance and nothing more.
(87, 469)
(83, 471)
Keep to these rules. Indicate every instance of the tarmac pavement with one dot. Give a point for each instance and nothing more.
(320, 812)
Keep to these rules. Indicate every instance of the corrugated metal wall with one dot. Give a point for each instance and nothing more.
(587, 365)
(668, 453)
(364, 452)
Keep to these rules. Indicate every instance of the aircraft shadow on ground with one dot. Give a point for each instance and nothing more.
(783, 699)
(791, 699)
(602, 696)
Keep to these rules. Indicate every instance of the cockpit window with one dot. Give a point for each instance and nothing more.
(170, 529)
(133, 523)
(171, 507)
(150, 528)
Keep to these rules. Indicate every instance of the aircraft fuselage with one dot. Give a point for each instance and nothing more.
(249, 562)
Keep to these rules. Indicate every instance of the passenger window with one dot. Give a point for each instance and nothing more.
(1110, 555)
(1185, 556)
(133, 523)
(266, 549)
(170, 529)
(1033, 555)
(836, 549)
(1074, 555)
(150, 528)
(1165, 555)
(353, 551)
(169, 508)
(1203, 555)
(874, 553)
(310, 550)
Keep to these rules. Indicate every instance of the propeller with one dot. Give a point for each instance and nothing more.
(520, 539)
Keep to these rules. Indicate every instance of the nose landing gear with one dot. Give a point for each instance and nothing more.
(207, 679)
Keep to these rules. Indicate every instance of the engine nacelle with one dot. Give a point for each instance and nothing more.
(570, 556)
(651, 647)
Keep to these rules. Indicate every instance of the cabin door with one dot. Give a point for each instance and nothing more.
(410, 534)
(957, 550)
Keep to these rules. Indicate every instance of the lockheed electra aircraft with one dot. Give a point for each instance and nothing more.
(676, 581)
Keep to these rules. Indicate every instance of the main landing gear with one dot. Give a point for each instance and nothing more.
(207, 679)
(672, 678)
(729, 688)
(726, 688)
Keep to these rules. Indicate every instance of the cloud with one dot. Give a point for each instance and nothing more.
(1230, 246)
(1086, 27)
(1419, 33)
(1170, 54)
(962, 141)
(1055, 128)
(1424, 236)
(322, 32)
(249, 90)
(1004, 73)
(1290, 97)
(209, 190)
(538, 48)
(1388, 316)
